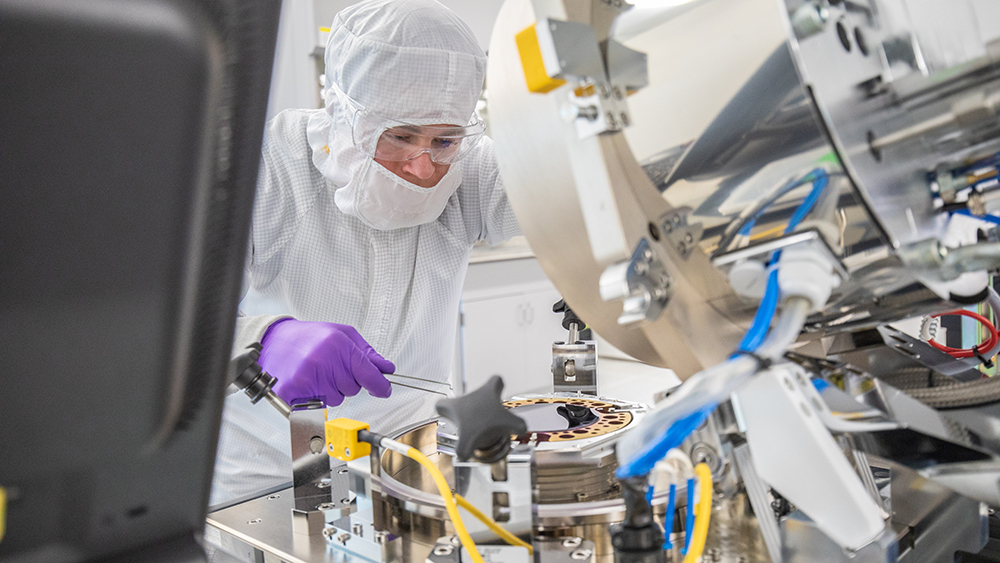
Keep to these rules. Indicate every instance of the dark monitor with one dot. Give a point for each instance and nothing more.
(130, 138)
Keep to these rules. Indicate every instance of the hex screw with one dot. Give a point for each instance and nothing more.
(572, 542)
(581, 554)
(343, 471)
(273, 497)
(342, 538)
(380, 537)
(255, 521)
(443, 550)
(326, 506)
(358, 530)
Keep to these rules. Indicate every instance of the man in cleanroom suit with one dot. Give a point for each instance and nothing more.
(365, 215)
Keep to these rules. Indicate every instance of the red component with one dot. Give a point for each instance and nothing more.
(983, 346)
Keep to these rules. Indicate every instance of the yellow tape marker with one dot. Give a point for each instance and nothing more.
(538, 80)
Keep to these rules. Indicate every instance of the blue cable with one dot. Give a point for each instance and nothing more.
(988, 218)
(649, 494)
(689, 522)
(668, 518)
(642, 463)
(769, 303)
(762, 319)
(805, 207)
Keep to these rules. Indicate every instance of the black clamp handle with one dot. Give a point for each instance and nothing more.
(249, 376)
(484, 425)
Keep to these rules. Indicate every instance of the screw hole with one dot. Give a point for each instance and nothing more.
(654, 231)
(859, 38)
(845, 38)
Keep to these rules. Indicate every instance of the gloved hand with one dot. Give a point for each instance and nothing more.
(315, 359)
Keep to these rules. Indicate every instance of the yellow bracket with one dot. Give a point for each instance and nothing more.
(538, 80)
(342, 439)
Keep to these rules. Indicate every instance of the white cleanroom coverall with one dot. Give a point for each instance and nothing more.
(414, 61)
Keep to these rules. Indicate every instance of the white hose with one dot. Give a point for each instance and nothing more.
(716, 383)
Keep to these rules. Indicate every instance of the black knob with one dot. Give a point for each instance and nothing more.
(484, 424)
(569, 317)
(247, 374)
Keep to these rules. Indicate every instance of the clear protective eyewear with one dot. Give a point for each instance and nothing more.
(388, 139)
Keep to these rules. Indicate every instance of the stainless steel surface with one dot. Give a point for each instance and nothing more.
(757, 495)
(787, 96)
(574, 366)
(407, 502)
(263, 526)
(311, 466)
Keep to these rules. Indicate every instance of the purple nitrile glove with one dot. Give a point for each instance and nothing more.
(315, 359)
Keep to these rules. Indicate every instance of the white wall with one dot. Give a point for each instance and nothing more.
(294, 80)
(293, 76)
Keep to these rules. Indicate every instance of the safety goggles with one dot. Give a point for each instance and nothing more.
(391, 140)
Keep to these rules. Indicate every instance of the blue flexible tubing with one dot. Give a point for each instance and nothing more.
(689, 522)
(643, 462)
(668, 518)
(988, 218)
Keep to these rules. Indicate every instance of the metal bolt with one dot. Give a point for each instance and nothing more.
(330, 447)
(316, 444)
(641, 268)
(688, 238)
(443, 550)
(572, 542)
(255, 521)
(454, 540)
(342, 538)
(358, 530)
(611, 121)
(800, 379)
(603, 90)
(345, 501)
(581, 554)
(380, 537)
(617, 92)
(624, 119)
(347, 452)
(328, 532)
(714, 554)
(343, 471)
(273, 497)
(581, 496)
(323, 484)
(667, 227)
(326, 506)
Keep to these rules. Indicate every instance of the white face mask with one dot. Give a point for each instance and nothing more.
(385, 201)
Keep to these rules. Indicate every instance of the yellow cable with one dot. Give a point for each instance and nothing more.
(491, 524)
(702, 514)
(449, 503)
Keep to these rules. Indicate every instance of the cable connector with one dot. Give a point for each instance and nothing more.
(343, 441)
(807, 270)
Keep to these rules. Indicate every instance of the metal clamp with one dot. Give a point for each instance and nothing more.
(642, 283)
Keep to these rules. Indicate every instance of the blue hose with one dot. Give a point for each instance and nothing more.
(668, 518)
(642, 463)
(689, 522)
